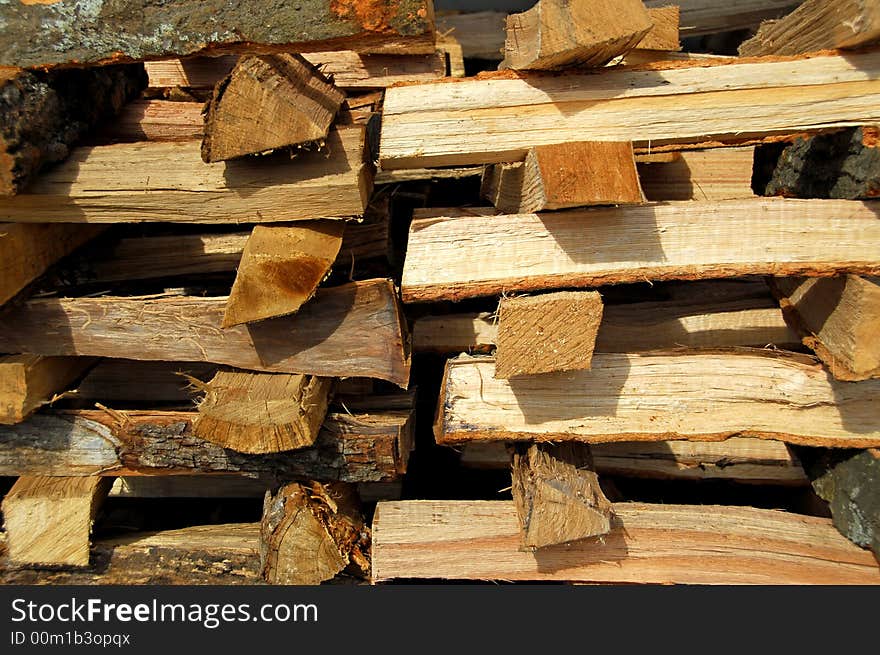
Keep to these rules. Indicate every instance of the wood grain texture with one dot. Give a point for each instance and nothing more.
(485, 254)
(663, 36)
(168, 181)
(480, 33)
(697, 395)
(498, 117)
(354, 330)
(29, 381)
(707, 16)
(713, 174)
(479, 540)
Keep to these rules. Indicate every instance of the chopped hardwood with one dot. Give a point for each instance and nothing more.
(663, 34)
(497, 117)
(546, 333)
(479, 540)
(353, 330)
(713, 174)
(29, 381)
(484, 254)
(699, 17)
(480, 33)
(696, 395)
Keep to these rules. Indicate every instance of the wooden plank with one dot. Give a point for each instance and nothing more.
(480, 33)
(556, 34)
(714, 174)
(190, 486)
(26, 251)
(126, 382)
(479, 540)
(839, 318)
(29, 381)
(697, 395)
(663, 36)
(485, 254)
(700, 17)
(546, 333)
(738, 459)
(168, 181)
(817, 25)
(498, 117)
(262, 412)
(43, 34)
(565, 175)
(48, 520)
(351, 330)
(363, 447)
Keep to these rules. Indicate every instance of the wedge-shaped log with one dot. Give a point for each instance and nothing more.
(698, 395)
(838, 318)
(483, 254)
(663, 35)
(266, 103)
(310, 532)
(281, 268)
(48, 520)
(29, 381)
(262, 412)
(479, 540)
(713, 174)
(565, 175)
(483, 120)
(168, 181)
(557, 495)
(354, 330)
(546, 333)
(560, 33)
(709, 16)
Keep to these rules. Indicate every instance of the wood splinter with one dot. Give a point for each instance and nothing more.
(557, 495)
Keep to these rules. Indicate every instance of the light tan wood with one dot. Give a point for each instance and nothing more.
(565, 175)
(639, 57)
(557, 495)
(707, 16)
(739, 459)
(48, 520)
(262, 412)
(714, 174)
(688, 544)
(351, 330)
(839, 318)
(480, 33)
(546, 333)
(26, 251)
(280, 269)
(697, 395)
(557, 34)
(310, 532)
(266, 103)
(483, 254)
(29, 381)
(190, 486)
(167, 181)
(449, 47)
(664, 33)
(498, 117)
(418, 174)
(817, 25)
(154, 120)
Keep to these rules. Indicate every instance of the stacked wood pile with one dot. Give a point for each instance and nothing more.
(268, 304)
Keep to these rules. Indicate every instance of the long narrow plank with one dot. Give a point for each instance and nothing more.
(479, 540)
(29, 381)
(486, 255)
(168, 181)
(354, 330)
(713, 174)
(697, 395)
(496, 118)
(707, 16)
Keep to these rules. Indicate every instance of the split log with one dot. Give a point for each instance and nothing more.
(584, 248)
(267, 103)
(280, 269)
(29, 381)
(817, 25)
(479, 540)
(557, 34)
(565, 175)
(843, 164)
(190, 486)
(26, 251)
(48, 520)
(368, 447)
(663, 35)
(714, 174)
(838, 318)
(737, 459)
(546, 333)
(43, 114)
(262, 412)
(126, 382)
(557, 495)
(481, 120)
(44, 34)
(156, 181)
(311, 532)
(354, 330)
(700, 17)
(696, 395)
(480, 33)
